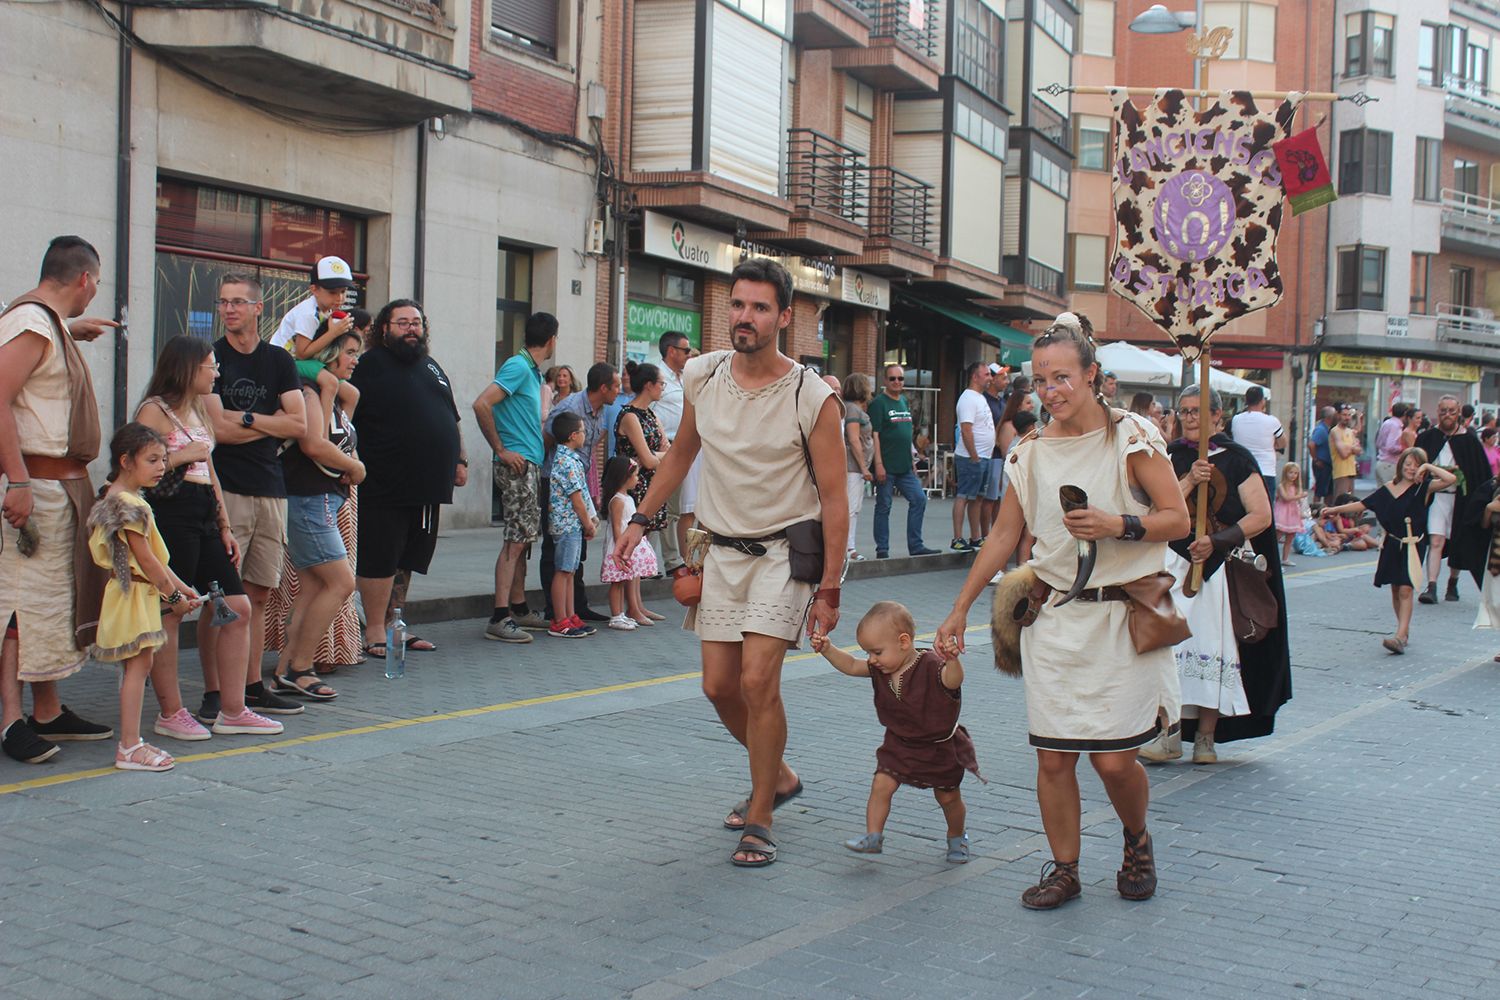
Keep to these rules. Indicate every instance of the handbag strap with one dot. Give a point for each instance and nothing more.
(161, 404)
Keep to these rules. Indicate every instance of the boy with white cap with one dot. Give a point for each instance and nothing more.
(303, 331)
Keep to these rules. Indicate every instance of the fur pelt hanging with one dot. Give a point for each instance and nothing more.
(1018, 597)
(113, 513)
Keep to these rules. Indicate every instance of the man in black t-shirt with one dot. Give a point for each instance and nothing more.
(414, 457)
(259, 403)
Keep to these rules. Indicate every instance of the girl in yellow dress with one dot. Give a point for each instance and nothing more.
(123, 539)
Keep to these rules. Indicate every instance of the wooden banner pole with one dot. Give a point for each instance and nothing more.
(1260, 95)
(1205, 431)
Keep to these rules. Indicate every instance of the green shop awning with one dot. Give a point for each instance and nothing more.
(1015, 345)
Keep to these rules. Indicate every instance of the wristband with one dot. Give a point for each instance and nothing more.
(464, 462)
(828, 595)
(1227, 538)
(1134, 530)
(174, 598)
(640, 519)
(24, 484)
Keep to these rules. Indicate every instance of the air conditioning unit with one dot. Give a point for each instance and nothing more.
(596, 236)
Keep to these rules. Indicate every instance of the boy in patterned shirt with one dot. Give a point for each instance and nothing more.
(571, 521)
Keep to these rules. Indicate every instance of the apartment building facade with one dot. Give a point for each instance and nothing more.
(443, 149)
(1414, 239)
(1273, 46)
(860, 142)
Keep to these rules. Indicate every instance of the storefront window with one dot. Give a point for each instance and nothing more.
(204, 232)
(512, 307)
(838, 343)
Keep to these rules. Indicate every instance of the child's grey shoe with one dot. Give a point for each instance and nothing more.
(870, 843)
(958, 849)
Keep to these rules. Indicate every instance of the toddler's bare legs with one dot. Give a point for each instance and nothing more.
(954, 810)
(882, 789)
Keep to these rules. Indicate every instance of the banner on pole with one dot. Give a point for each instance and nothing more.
(1304, 171)
(1198, 203)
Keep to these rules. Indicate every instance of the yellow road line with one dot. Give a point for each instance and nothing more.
(1363, 564)
(463, 713)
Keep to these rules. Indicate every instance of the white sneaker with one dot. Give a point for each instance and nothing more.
(1162, 749)
(623, 623)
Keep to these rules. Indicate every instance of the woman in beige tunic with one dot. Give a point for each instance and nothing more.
(1087, 689)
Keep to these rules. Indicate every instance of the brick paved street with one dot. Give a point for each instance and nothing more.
(549, 826)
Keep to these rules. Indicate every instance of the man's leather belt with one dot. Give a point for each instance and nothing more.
(749, 546)
(1103, 594)
(45, 467)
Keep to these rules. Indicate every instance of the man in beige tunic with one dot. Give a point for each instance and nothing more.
(749, 411)
(49, 432)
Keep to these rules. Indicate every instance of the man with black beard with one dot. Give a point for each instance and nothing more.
(414, 457)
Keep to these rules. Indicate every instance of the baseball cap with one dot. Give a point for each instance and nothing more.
(332, 272)
(1106, 374)
(998, 369)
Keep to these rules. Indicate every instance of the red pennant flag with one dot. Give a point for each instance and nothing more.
(1304, 171)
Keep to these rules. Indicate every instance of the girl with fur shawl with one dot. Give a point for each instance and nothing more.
(123, 539)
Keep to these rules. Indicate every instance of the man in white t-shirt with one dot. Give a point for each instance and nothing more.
(971, 455)
(1259, 433)
(675, 349)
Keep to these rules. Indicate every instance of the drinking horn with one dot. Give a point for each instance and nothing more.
(1074, 498)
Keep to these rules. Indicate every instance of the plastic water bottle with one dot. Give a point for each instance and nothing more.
(395, 646)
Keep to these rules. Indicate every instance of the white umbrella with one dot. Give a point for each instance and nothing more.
(1231, 385)
(1136, 366)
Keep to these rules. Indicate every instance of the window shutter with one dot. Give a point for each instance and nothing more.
(534, 20)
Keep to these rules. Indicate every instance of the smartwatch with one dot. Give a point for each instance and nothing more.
(247, 418)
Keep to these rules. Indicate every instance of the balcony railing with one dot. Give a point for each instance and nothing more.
(911, 22)
(1467, 100)
(1467, 325)
(1033, 274)
(1051, 124)
(1471, 219)
(824, 175)
(898, 205)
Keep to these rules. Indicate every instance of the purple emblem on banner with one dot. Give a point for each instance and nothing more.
(1195, 215)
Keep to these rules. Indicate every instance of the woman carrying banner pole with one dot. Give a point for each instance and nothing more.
(1088, 691)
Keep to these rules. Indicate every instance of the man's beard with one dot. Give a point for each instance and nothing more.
(747, 348)
(406, 353)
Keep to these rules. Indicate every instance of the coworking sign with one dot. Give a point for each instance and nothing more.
(1198, 203)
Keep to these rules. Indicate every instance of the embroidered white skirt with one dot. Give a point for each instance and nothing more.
(1208, 661)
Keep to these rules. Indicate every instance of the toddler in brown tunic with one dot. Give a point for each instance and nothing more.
(917, 700)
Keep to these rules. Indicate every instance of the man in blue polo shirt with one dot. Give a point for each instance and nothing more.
(509, 412)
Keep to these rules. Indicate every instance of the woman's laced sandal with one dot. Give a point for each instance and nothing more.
(1059, 883)
(1136, 878)
(318, 690)
(142, 757)
(869, 843)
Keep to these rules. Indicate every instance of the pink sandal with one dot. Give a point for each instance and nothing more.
(142, 757)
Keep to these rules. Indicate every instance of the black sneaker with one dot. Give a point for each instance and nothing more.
(590, 615)
(68, 726)
(22, 744)
(959, 545)
(924, 551)
(208, 712)
(269, 703)
(881, 554)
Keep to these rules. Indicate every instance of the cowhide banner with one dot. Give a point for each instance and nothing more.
(1198, 202)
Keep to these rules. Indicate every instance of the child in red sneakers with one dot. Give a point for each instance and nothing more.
(123, 539)
(917, 700)
(571, 521)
